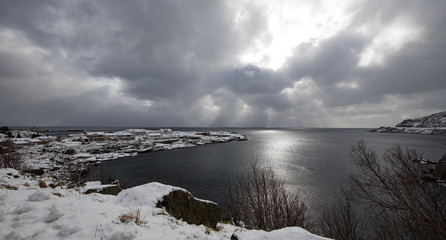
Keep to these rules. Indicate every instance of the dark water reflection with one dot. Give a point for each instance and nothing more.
(312, 161)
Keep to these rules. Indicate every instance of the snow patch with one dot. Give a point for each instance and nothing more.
(53, 214)
(39, 196)
(285, 233)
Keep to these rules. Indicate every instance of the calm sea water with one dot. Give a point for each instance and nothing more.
(313, 162)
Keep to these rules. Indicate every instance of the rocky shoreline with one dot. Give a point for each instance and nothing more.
(62, 157)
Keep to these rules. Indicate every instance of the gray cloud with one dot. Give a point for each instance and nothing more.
(254, 80)
(415, 68)
(176, 63)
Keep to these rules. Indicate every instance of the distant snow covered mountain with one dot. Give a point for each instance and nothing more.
(436, 120)
(433, 124)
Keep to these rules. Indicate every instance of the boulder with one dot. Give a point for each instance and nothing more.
(182, 205)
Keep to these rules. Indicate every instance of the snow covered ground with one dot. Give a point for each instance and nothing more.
(31, 209)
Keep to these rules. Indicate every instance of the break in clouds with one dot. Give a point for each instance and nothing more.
(221, 63)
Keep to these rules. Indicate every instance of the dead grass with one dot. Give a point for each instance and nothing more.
(58, 183)
(42, 184)
(164, 213)
(130, 216)
(26, 184)
(57, 194)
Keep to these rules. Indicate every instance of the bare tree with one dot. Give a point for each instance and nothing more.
(399, 204)
(9, 157)
(341, 220)
(260, 200)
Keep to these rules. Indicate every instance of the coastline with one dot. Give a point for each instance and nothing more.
(60, 157)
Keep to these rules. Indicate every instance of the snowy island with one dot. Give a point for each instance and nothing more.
(434, 124)
(59, 157)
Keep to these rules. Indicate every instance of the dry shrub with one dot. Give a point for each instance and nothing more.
(395, 201)
(9, 157)
(261, 201)
(400, 204)
(341, 220)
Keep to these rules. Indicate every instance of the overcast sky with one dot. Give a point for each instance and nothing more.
(201, 63)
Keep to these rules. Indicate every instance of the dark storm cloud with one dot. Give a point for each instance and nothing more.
(254, 80)
(158, 49)
(330, 63)
(171, 47)
(152, 44)
(161, 63)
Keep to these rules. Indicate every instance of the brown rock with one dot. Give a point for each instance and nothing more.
(109, 190)
(182, 205)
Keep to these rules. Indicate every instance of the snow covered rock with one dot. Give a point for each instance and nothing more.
(178, 202)
(144, 195)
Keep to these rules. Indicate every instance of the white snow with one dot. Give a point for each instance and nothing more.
(284, 233)
(137, 196)
(30, 212)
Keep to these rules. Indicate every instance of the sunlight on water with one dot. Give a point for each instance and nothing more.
(281, 151)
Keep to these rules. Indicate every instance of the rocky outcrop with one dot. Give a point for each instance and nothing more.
(97, 187)
(182, 205)
(109, 190)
